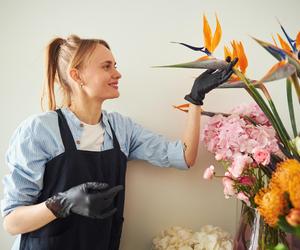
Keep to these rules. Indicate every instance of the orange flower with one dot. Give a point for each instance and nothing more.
(183, 107)
(294, 188)
(239, 52)
(298, 41)
(271, 204)
(284, 173)
(287, 48)
(211, 42)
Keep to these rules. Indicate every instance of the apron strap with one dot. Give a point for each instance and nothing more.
(115, 140)
(65, 132)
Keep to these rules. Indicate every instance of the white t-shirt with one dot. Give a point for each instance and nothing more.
(92, 137)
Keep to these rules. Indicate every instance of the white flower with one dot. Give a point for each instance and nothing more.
(173, 238)
(211, 237)
(185, 248)
(179, 238)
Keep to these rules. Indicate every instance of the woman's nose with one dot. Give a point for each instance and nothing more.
(117, 74)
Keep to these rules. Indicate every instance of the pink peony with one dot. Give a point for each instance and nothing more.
(209, 173)
(261, 156)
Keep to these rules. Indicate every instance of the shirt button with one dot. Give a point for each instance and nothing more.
(78, 142)
(81, 125)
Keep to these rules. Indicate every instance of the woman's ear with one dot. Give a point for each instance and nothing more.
(74, 74)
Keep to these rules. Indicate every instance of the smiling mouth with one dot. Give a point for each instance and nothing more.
(114, 85)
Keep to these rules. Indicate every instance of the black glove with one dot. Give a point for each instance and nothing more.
(207, 81)
(91, 199)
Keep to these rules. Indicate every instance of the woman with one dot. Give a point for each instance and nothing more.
(67, 166)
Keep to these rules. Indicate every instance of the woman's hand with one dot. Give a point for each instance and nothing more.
(207, 81)
(91, 199)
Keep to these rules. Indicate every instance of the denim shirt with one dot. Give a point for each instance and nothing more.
(37, 140)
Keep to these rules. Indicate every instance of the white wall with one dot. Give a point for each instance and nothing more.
(139, 33)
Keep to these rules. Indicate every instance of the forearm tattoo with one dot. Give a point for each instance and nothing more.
(184, 147)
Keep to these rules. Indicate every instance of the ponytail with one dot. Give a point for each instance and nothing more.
(52, 53)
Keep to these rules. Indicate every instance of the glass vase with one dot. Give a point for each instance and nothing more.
(254, 234)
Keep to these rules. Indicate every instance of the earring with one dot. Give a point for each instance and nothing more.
(81, 85)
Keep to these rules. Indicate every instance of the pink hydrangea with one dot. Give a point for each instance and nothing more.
(253, 111)
(240, 162)
(230, 136)
(241, 146)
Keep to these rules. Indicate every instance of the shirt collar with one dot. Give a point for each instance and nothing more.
(76, 122)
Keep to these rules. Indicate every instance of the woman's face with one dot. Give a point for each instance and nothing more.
(100, 76)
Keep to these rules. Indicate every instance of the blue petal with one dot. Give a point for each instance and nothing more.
(202, 49)
(278, 53)
(291, 41)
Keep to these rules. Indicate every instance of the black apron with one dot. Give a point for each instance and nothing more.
(69, 169)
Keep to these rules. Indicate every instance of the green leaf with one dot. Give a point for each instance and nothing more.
(296, 85)
(290, 105)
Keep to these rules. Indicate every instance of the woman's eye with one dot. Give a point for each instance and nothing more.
(108, 67)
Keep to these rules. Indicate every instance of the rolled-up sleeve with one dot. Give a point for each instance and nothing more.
(155, 148)
(26, 160)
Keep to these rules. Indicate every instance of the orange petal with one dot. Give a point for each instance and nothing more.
(298, 41)
(235, 52)
(274, 41)
(207, 34)
(243, 62)
(284, 44)
(182, 107)
(203, 58)
(227, 52)
(217, 35)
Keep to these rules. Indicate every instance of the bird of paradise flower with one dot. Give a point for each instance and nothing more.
(288, 67)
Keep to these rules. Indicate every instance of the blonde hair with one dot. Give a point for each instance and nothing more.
(62, 54)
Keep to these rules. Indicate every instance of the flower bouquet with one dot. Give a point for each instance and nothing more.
(249, 153)
(260, 158)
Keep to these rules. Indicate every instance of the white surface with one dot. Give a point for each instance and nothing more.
(139, 33)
